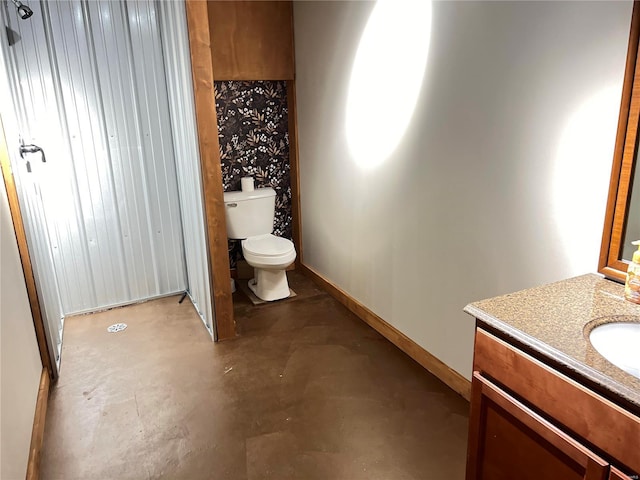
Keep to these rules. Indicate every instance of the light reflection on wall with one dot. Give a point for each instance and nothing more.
(581, 177)
(394, 48)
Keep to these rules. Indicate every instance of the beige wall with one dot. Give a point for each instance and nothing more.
(500, 180)
(20, 365)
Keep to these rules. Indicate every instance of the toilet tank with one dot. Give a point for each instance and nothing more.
(250, 213)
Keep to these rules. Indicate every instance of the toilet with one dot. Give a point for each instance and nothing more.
(250, 217)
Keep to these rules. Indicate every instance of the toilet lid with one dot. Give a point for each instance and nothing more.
(267, 245)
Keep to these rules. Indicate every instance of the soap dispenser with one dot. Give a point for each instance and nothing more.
(632, 284)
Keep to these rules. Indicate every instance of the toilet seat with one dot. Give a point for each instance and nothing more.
(263, 251)
(268, 245)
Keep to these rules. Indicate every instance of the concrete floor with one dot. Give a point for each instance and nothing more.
(308, 391)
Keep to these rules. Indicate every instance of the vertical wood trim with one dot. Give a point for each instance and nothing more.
(477, 421)
(202, 71)
(294, 172)
(25, 258)
(37, 434)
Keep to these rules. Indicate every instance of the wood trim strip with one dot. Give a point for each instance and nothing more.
(25, 258)
(294, 172)
(477, 428)
(572, 405)
(37, 433)
(202, 72)
(618, 475)
(294, 153)
(450, 377)
(609, 262)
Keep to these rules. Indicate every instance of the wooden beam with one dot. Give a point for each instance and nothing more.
(37, 434)
(25, 258)
(450, 377)
(202, 74)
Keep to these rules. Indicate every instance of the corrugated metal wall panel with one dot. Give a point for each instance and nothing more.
(175, 41)
(92, 92)
(30, 197)
(46, 281)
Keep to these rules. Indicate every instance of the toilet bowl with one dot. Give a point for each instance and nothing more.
(249, 218)
(269, 256)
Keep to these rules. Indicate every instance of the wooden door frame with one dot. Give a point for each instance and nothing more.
(25, 258)
(210, 167)
(232, 66)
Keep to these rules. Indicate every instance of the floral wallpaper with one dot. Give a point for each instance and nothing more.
(253, 130)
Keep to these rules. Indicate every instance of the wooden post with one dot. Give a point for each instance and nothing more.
(202, 74)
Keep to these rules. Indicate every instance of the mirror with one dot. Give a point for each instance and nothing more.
(622, 220)
(632, 227)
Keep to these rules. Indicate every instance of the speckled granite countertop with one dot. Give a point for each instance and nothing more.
(555, 320)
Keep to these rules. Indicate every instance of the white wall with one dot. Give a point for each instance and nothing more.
(20, 365)
(498, 184)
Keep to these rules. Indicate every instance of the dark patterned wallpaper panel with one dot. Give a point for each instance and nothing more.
(253, 130)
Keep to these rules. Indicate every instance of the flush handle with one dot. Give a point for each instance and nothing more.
(232, 205)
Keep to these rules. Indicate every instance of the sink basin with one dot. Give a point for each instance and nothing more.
(619, 342)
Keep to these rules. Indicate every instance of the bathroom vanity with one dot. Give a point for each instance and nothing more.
(545, 404)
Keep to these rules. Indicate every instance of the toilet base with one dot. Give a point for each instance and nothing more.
(269, 285)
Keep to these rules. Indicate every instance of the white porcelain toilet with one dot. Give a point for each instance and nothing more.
(250, 219)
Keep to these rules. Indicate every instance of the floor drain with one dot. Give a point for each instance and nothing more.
(116, 327)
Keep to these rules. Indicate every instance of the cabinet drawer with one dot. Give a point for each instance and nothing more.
(571, 405)
(510, 441)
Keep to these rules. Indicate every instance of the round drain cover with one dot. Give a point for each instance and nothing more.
(116, 327)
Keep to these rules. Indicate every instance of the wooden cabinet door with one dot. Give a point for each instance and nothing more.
(508, 441)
